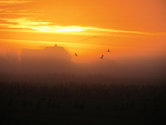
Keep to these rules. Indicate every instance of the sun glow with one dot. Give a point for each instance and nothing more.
(24, 24)
(59, 29)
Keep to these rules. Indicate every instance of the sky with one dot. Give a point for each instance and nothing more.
(129, 28)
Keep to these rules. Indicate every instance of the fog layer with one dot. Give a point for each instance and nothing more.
(56, 60)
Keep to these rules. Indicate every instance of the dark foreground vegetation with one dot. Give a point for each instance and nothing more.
(81, 101)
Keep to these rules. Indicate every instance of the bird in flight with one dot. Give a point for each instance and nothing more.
(76, 54)
(102, 56)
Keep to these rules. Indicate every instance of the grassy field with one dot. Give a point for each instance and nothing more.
(90, 100)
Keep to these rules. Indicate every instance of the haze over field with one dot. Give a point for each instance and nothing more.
(56, 60)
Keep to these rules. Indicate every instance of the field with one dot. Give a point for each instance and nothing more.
(80, 100)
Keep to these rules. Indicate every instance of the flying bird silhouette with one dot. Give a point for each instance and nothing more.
(102, 56)
(76, 54)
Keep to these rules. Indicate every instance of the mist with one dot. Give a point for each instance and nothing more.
(50, 62)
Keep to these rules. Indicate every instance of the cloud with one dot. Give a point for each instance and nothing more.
(13, 1)
(26, 25)
(18, 15)
(13, 9)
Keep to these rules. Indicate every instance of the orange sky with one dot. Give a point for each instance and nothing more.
(127, 27)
